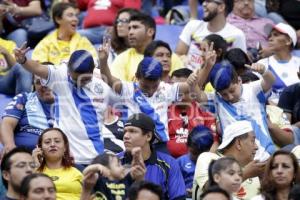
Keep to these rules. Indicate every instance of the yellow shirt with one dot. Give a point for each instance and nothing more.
(67, 182)
(50, 49)
(125, 64)
(9, 46)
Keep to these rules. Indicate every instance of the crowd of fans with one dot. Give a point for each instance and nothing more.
(103, 110)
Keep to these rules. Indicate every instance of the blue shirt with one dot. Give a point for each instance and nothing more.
(187, 167)
(163, 170)
(34, 116)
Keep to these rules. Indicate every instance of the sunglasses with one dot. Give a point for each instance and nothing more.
(122, 21)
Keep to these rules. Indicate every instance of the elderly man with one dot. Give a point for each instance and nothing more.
(238, 141)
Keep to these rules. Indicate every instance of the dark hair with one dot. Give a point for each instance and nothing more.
(58, 10)
(144, 185)
(150, 49)
(67, 159)
(268, 187)
(6, 163)
(200, 138)
(146, 20)
(219, 44)
(120, 44)
(182, 73)
(229, 6)
(295, 192)
(215, 189)
(216, 166)
(104, 159)
(24, 190)
(238, 58)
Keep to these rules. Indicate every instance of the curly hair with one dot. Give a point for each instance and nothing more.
(67, 159)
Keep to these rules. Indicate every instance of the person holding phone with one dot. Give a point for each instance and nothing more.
(53, 158)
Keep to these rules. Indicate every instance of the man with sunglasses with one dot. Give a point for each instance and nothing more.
(214, 22)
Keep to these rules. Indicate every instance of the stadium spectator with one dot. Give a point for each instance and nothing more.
(141, 190)
(81, 100)
(52, 157)
(15, 166)
(214, 21)
(26, 116)
(161, 168)
(142, 30)
(58, 46)
(13, 78)
(215, 192)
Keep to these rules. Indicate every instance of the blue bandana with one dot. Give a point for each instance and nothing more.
(150, 68)
(221, 75)
(81, 61)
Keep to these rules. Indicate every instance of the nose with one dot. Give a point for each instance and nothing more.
(126, 136)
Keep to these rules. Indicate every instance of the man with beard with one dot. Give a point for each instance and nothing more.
(214, 21)
(15, 166)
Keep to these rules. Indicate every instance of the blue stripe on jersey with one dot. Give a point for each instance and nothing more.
(88, 116)
(278, 84)
(56, 109)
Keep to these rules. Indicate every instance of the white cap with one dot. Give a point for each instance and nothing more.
(234, 130)
(287, 29)
(296, 152)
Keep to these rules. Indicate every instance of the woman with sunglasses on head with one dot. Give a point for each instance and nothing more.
(53, 158)
(281, 173)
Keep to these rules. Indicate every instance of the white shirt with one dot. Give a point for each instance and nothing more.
(285, 73)
(79, 112)
(196, 31)
(160, 101)
(251, 105)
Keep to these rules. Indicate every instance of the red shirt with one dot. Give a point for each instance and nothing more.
(181, 122)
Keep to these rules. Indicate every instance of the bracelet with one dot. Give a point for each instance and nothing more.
(24, 61)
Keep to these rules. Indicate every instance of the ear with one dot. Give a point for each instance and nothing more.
(238, 144)
(150, 32)
(57, 20)
(6, 175)
(149, 136)
(222, 8)
(217, 178)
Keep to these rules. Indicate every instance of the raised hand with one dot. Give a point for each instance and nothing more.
(103, 50)
(20, 53)
(257, 67)
(209, 55)
(37, 155)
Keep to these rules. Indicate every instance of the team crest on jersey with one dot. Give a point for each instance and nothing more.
(98, 88)
(99, 196)
(160, 97)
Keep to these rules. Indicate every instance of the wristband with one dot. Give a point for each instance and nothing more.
(24, 61)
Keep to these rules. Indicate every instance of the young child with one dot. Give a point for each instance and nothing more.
(107, 178)
(235, 101)
(226, 173)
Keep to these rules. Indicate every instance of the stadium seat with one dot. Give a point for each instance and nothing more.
(169, 34)
(4, 100)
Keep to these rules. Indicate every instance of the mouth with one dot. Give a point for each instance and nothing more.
(53, 150)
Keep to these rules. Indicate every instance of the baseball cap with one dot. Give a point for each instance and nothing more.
(234, 130)
(288, 30)
(150, 68)
(142, 121)
(221, 75)
(81, 61)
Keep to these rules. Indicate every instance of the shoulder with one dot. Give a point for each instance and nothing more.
(258, 197)
(8, 44)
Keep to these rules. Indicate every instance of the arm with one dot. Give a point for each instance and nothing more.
(32, 66)
(33, 9)
(8, 126)
(112, 81)
(8, 57)
(193, 4)
(181, 48)
(279, 136)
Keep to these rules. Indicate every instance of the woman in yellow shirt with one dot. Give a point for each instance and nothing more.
(54, 159)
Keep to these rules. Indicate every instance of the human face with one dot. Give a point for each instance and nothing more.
(214, 196)
(53, 145)
(210, 8)
(163, 55)
(44, 93)
(230, 179)
(22, 165)
(80, 80)
(123, 25)
(134, 137)
(147, 195)
(41, 188)
(68, 21)
(148, 87)
(244, 8)
(117, 170)
(248, 149)
(139, 35)
(233, 93)
(282, 171)
(278, 41)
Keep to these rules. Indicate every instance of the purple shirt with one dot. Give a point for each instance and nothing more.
(253, 28)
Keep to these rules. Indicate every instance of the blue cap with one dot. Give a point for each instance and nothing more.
(150, 68)
(221, 75)
(201, 137)
(81, 61)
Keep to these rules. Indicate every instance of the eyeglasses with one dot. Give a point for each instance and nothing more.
(243, 1)
(122, 21)
(22, 165)
(214, 1)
